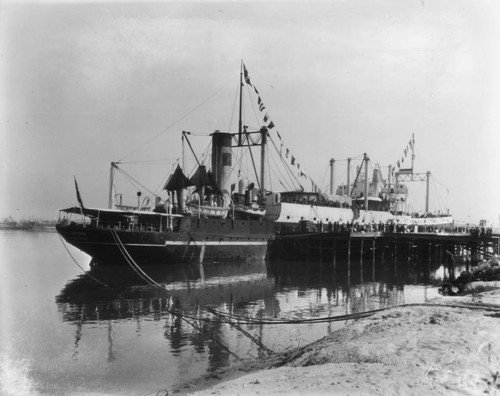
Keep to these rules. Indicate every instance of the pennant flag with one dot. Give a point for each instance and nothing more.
(278, 133)
(259, 100)
(247, 77)
(78, 196)
(266, 117)
(271, 125)
(254, 87)
(293, 160)
(262, 107)
(287, 152)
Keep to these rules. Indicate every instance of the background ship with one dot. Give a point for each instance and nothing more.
(10, 224)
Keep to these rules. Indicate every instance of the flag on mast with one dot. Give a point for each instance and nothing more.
(78, 196)
(245, 74)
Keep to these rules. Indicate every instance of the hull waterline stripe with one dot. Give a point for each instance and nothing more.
(181, 243)
(217, 243)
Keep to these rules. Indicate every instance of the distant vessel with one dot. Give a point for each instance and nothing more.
(10, 224)
(363, 203)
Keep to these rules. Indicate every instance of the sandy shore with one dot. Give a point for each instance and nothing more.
(434, 349)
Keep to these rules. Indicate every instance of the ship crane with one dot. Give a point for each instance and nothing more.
(407, 175)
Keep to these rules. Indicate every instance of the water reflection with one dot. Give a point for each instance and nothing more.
(278, 289)
(128, 297)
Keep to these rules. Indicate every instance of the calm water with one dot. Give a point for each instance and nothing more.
(64, 333)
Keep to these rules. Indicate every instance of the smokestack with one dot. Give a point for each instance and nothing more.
(221, 159)
(332, 176)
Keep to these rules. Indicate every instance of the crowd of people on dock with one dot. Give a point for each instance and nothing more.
(481, 232)
(391, 227)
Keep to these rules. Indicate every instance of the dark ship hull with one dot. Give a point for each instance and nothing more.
(195, 240)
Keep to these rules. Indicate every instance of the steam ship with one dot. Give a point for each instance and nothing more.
(201, 219)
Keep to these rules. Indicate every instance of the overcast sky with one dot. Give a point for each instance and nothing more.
(87, 84)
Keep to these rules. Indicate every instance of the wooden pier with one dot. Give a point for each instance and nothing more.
(444, 247)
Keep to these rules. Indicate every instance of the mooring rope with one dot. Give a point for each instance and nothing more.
(356, 315)
(76, 262)
(134, 265)
(180, 315)
(232, 324)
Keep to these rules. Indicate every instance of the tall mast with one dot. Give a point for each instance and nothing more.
(428, 176)
(240, 126)
(111, 180)
(366, 180)
(349, 177)
(263, 162)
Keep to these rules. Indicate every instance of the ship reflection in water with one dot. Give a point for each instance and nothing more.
(272, 290)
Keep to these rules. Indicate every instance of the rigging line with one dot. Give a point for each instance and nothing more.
(291, 175)
(358, 157)
(152, 161)
(441, 184)
(324, 177)
(268, 155)
(175, 122)
(253, 107)
(280, 174)
(199, 133)
(253, 162)
(285, 164)
(240, 160)
(127, 177)
(85, 272)
(134, 180)
(234, 107)
(164, 180)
